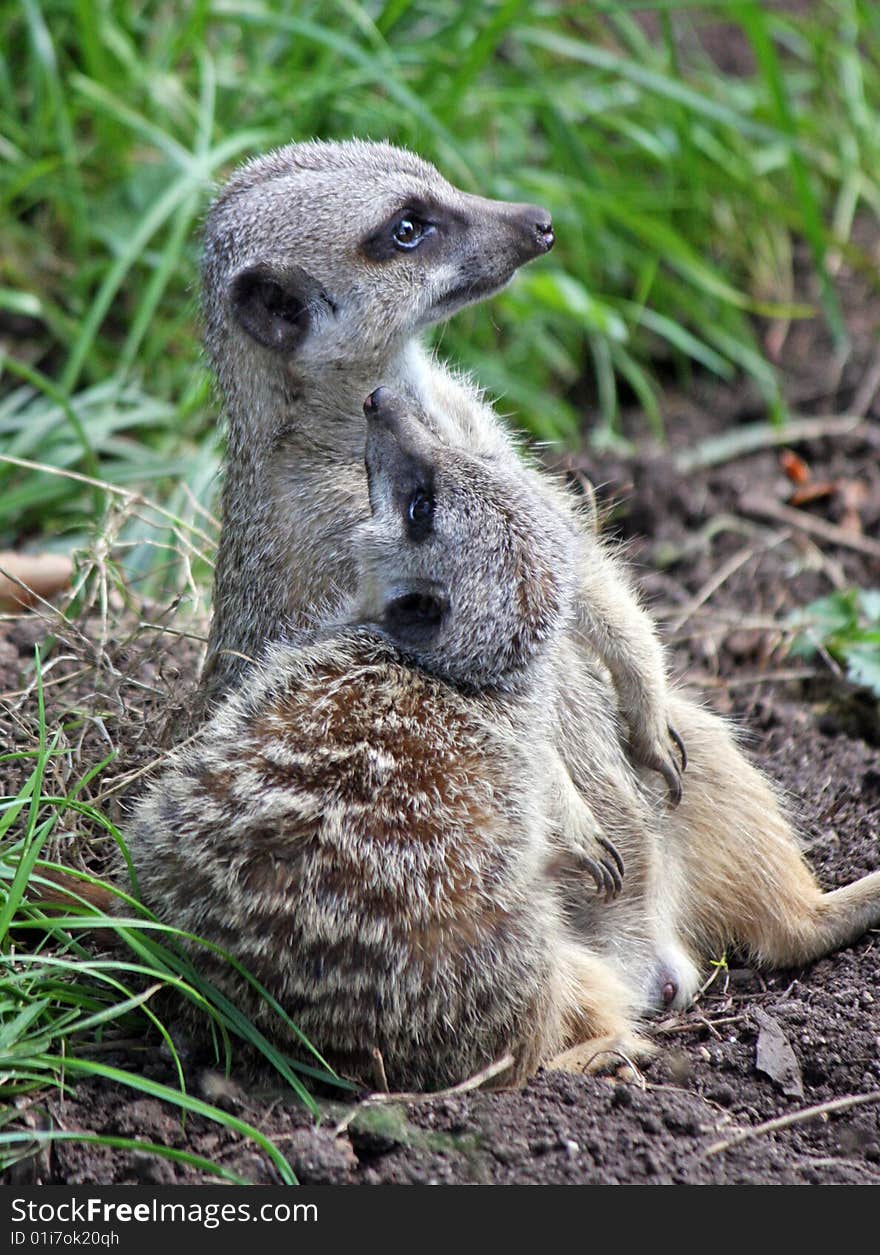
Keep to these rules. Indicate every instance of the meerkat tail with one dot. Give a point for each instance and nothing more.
(745, 878)
(844, 914)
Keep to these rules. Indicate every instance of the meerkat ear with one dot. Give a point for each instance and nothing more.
(414, 613)
(276, 306)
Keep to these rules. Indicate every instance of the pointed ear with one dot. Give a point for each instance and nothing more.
(276, 306)
(414, 613)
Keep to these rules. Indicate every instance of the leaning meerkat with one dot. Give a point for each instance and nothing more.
(681, 903)
(323, 262)
(379, 824)
(369, 824)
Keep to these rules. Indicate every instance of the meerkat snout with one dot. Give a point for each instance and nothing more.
(539, 225)
(398, 455)
(409, 597)
(380, 403)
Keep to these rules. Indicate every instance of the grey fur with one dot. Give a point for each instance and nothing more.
(724, 867)
(310, 214)
(378, 830)
(379, 823)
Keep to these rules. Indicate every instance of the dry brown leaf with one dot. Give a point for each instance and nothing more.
(813, 491)
(775, 1057)
(795, 467)
(853, 494)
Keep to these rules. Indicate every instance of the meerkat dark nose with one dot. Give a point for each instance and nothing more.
(544, 231)
(381, 400)
(669, 992)
(538, 223)
(374, 402)
(385, 411)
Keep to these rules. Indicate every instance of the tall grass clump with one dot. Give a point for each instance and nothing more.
(678, 190)
(75, 979)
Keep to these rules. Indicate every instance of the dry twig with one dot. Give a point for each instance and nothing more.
(755, 437)
(795, 1117)
(719, 577)
(826, 531)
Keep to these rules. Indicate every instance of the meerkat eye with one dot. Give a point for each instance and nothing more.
(420, 514)
(409, 231)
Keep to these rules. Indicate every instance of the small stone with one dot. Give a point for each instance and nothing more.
(514, 1151)
(622, 1096)
(722, 1094)
(743, 979)
(320, 1158)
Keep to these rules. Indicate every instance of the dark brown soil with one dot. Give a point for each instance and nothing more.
(815, 736)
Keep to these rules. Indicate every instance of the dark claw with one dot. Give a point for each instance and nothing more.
(616, 883)
(599, 874)
(670, 772)
(618, 861)
(672, 776)
(666, 767)
(679, 744)
(612, 883)
(608, 875)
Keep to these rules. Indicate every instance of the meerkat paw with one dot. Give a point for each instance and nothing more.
(605, 865)
(581, 838)
(619, 1053)
(654, 743)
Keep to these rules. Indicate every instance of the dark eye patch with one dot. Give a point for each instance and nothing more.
(420, 513)
(414, 227)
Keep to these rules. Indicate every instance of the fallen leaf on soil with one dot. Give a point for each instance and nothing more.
(795, 468)
(43, 574)
(775, 1057)
(813, 491)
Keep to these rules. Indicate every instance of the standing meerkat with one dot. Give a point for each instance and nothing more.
(370, 823)
(323, 262)
(379, 826)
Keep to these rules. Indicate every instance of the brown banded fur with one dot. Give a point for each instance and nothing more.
(371, 843)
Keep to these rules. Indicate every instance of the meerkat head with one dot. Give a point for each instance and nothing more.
(330, 253)
(461, 565)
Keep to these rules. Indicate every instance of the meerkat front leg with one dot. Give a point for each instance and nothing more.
(601, 1029)
(614, 626)
(577, 835)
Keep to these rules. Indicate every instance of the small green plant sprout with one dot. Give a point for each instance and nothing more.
(845, 628)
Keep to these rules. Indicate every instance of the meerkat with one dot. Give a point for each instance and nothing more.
(323, 263)
(380, 826)
(681, 903)
(369, 823)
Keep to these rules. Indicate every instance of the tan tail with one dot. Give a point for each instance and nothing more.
(846, 913)
(745, 879)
